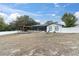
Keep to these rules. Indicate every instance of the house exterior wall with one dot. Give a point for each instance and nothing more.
(60, 29)
(53, 28)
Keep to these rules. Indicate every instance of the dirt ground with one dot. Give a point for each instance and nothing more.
(39, 44)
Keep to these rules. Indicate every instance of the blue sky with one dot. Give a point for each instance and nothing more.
(38, 11)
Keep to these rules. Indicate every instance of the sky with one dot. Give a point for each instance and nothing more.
(40, 12)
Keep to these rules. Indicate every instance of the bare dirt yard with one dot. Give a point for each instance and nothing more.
(39, 44)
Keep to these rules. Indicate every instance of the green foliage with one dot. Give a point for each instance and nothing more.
(12, 26)
(2, 24)
(32, 22)
(23, 21)
(69, 20)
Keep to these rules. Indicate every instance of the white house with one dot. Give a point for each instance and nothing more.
(54, 27)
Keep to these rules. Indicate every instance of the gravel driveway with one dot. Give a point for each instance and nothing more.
(39, 44)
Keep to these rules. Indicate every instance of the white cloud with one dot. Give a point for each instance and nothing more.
(65, 5)
(49, 14)
(40, 21)
(9, 18)
(77, 16)
(7, 9)
(25, 12)
(13, 13)
(61, 22)
(37, 20)
(14, 16)
(38, 12)
(56, 5)
(53, 14)
(3, 15)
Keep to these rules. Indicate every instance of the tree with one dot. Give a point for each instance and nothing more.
(11, 26)
(32, 22)
(23, 21)
(2, 24)
(69, 20)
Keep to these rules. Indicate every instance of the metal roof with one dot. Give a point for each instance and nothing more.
(40, 25)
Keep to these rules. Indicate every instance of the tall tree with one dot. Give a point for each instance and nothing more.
(32, 22)
(2, 24)
(69, 20)
(23, 21)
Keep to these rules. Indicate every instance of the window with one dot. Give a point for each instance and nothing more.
(50, 28)
(56, 28)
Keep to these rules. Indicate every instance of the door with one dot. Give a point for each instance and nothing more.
(56, 28)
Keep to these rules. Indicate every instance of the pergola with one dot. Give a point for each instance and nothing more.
(24, 28)
(39, 27)
(33, 27)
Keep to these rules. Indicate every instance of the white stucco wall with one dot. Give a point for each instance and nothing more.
(53, 28)
(8, 32)
(63, 30)
(48, 30)
(69, 30)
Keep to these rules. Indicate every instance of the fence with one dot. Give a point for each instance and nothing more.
(69, 30)
(8, 32)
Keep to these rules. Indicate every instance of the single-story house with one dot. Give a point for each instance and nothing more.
(52, 27)
(55, 27)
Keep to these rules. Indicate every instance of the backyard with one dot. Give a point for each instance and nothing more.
(39, 44)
